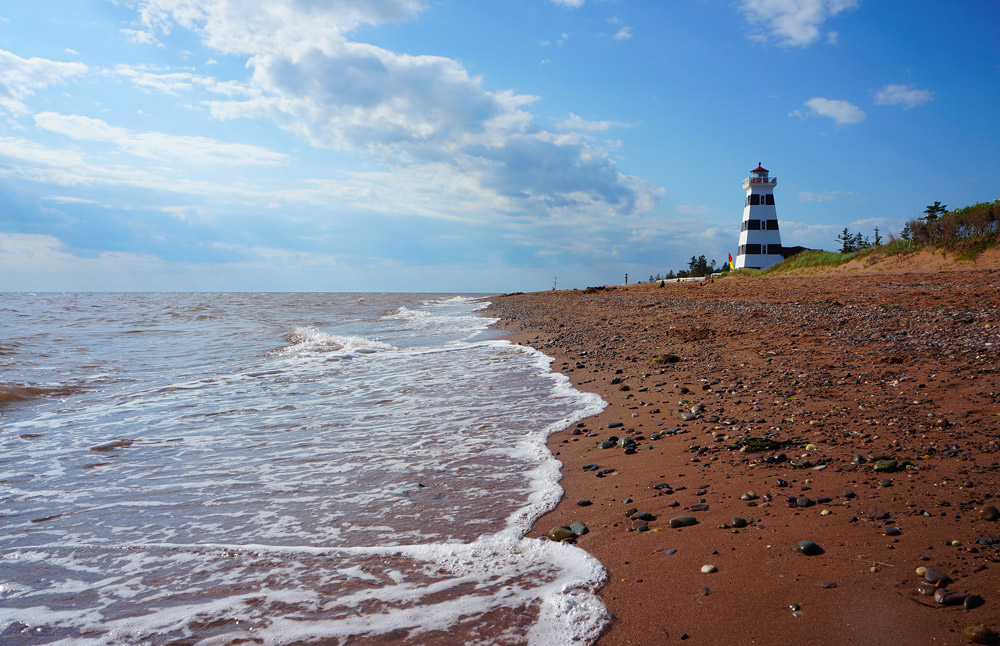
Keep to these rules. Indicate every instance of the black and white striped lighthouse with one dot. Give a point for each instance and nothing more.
(760, 241)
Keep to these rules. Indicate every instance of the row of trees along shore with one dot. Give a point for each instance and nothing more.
(969, 230)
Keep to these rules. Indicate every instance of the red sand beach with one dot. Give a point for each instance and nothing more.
(873, 399)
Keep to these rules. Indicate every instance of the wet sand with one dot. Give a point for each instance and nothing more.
(842, 372)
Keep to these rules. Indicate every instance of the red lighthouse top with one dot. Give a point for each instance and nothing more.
(759, 169)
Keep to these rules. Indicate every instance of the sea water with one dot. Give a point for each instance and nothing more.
(278, 469)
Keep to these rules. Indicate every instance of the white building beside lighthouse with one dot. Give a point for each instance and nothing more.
(760, 241)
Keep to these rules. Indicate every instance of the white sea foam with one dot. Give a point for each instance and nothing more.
(282, 496)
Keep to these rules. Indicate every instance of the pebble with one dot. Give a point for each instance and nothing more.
(705, 592)
(561, 533)
(979, 635)
(989, 512)
(643, 515)
(738, 522)
(886, 466)
(876, 513)
(683, 521)
(591, 467)
(584, 502)
(828, 584)
(579, 528)
(708, 569)
(972, 601)
(933, 576)
(809, 548)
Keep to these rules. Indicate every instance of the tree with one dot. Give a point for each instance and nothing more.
(878, 238)
(846, 241)
(699, 266)
(933, 211)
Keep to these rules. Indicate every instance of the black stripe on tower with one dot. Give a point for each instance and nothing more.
(756, 199)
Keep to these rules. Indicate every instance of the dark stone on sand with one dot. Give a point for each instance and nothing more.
(683, 521)
(799, 463)
(579, 528)
(876, 513)
(591, 467)
(738, 522)
(936, 577)
(828, 584)
(584, 502)
(989, 512)
(781, 483)
(891, 531)
(615, 424)
(643, 515)
(704, 592)
(671, 551)
(606, 444)
(886, 466)
(803, 501)
(972, 601)
(604, 472)
(809, 548)
(848, 493)
(561, 533)
(699, 507)
(979, 635)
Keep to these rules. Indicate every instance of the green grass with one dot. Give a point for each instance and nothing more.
(814, 258)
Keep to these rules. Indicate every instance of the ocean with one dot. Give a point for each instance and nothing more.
(280, 469)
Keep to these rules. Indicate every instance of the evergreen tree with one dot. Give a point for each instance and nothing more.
(846, 241)
(933, 211)
(878, 238)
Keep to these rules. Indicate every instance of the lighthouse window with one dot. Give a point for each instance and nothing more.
(754, 200)
(772, 225)
(769, 199)
(752, 249)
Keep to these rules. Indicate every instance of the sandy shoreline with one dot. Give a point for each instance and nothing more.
(885, 366)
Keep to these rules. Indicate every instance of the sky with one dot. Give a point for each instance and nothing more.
(471, 146)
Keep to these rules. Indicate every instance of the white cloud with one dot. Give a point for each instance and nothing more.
(574, 122)
(828, 196)
(174, 83)
(691, 209)
(158, 145)
(407, 110)
(623, 34)
(795, 23)
(904, 95)
(843, 112)
(20, 77)
(141, 37)
(576, 4)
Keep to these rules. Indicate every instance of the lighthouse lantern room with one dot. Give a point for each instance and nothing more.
(760, 241)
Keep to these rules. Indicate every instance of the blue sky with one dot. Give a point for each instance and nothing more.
(487, 146)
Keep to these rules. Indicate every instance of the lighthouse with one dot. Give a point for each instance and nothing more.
(760, 241)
